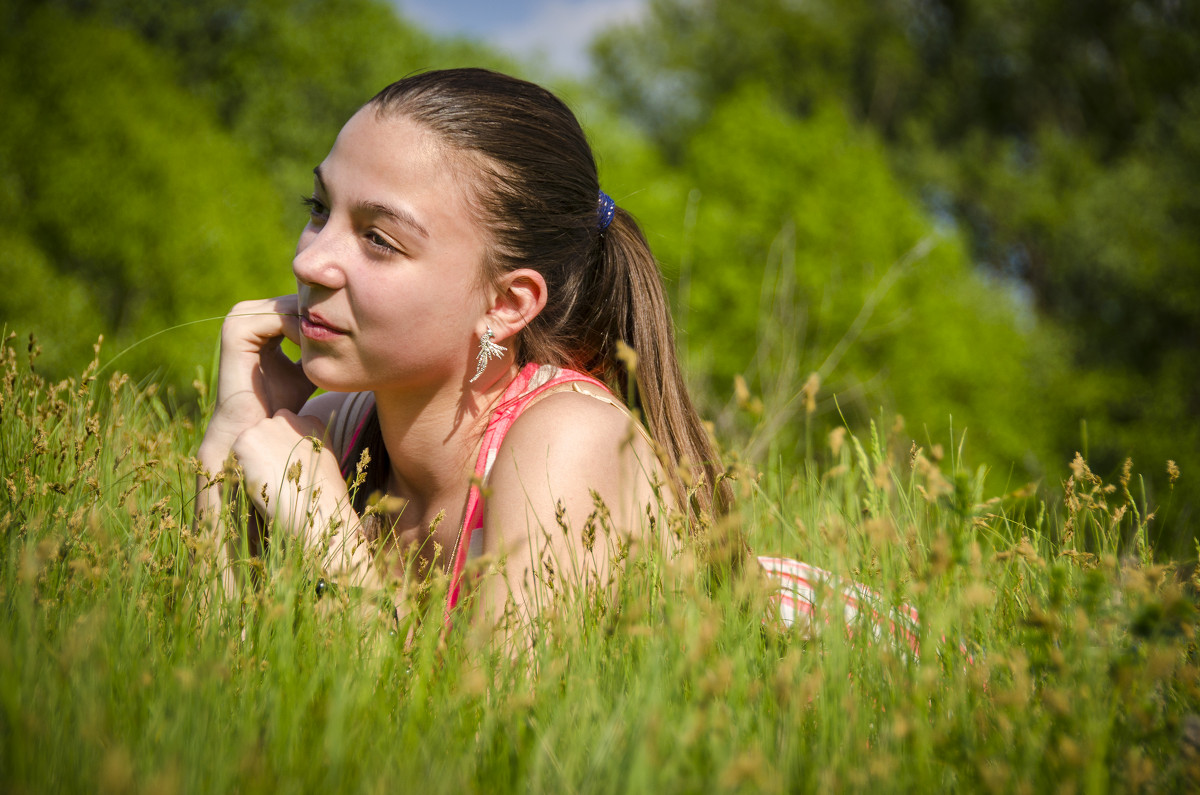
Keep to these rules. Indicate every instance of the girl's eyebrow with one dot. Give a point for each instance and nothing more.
(398, 214)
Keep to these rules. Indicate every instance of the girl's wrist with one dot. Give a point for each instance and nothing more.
(214, 450)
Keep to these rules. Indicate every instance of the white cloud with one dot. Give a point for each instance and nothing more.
(559, 31)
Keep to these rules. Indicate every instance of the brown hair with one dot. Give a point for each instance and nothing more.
(539, 197)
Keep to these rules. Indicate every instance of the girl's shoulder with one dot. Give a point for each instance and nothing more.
(573, 412)
(555, 408)
(578, 437)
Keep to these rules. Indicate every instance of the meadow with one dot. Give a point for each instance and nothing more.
(1055, 652)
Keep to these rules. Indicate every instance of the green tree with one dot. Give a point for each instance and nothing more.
(799, 251)
(284, 75)
(130, 210)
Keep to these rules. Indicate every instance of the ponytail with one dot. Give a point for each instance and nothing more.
(660, 393)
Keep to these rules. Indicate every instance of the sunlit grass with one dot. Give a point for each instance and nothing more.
(1054, 651)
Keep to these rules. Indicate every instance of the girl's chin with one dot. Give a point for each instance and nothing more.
(325, 375)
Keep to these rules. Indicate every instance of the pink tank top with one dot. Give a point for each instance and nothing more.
(531, 382)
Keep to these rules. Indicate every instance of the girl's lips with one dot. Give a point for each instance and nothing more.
(314, 328)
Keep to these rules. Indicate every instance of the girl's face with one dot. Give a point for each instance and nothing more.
(389, 266)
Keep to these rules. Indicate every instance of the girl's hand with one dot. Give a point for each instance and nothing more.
(255, 379)
(295, 482)
(289, 476)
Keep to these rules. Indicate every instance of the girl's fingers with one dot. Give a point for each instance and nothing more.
(306, 425)
(269, 449)
(287, 308)
(253, 325)
(255, 377)
(291, 327)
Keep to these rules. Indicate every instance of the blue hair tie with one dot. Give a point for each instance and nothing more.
(607, 209)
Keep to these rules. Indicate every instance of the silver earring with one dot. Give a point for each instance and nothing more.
(488, 350)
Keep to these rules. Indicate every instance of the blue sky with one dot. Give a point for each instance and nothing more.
(555, 31)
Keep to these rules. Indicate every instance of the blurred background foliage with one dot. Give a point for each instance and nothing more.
(977, 214)
(1055, 140)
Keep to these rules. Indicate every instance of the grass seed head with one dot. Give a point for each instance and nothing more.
(810, 389)
(837, 438)
(627, 356)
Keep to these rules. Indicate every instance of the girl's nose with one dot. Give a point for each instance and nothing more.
(319, 258)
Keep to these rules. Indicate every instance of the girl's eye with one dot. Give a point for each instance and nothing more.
(378, 242)
(317, 211)
(318, 214)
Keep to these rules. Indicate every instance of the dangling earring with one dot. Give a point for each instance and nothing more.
(488, 350)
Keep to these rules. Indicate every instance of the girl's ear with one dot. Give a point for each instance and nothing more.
(519, 296)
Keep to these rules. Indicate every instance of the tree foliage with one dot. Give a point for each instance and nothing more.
(128, 209)
(802, 253)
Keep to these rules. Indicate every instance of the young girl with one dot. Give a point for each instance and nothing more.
(463, 287)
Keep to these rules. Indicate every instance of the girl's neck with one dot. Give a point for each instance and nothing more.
(432, 439)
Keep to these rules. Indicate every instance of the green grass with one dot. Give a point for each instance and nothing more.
(1055, 652)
